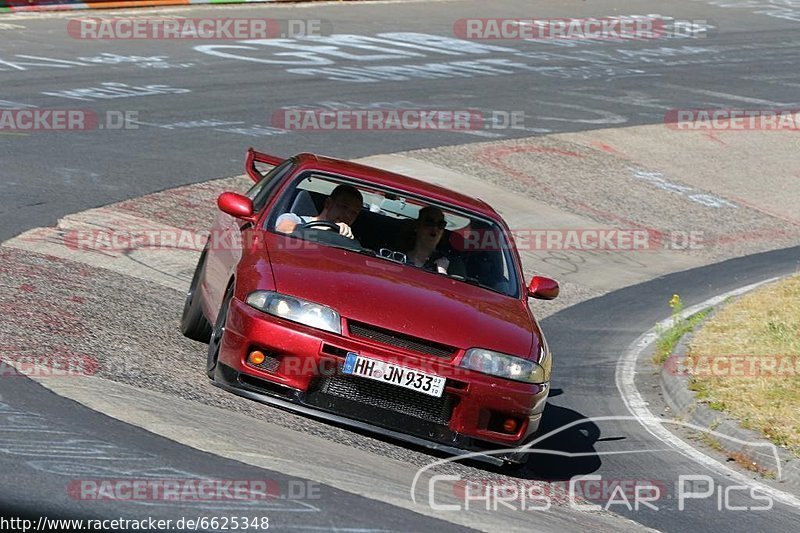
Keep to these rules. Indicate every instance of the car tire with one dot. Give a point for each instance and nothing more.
(193, 322)
(217, 333)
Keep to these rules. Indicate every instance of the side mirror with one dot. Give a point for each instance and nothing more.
(543, 288)
(236, 205)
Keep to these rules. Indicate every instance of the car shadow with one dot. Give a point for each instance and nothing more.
(568, 451)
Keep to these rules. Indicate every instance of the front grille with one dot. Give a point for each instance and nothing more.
(389, 397)
(393, 338)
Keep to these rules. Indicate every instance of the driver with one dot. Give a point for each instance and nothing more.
(341, 207)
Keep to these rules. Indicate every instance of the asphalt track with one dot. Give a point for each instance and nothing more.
(48, 175)
(586, 89)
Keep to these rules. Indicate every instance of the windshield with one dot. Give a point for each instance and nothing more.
(401, 228)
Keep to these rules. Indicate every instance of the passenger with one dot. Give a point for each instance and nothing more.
(341, 207)
(428, 231)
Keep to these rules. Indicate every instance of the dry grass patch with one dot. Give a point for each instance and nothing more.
(745, 361)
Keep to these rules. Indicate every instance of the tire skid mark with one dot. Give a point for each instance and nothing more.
(768, 212)
(606, 148)
(191, 206)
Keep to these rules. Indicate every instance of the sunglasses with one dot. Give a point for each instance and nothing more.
(386, 253)
(434, 223)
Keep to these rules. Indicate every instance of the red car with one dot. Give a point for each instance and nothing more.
(352, 326)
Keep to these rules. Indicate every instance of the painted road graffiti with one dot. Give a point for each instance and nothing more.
(659, 180)
(24, 62)
(387, 57)
(319, 57)
(111, 90)
(779, 9)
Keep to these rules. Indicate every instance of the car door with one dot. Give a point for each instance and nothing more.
(227, 236)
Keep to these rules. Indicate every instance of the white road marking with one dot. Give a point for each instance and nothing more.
(726, 96)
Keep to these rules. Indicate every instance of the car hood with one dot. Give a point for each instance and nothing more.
(405, 299)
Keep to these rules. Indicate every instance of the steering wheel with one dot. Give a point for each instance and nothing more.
(329, 234)
(320, 224)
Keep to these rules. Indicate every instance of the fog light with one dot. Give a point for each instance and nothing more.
(256, 357)
(510, 425)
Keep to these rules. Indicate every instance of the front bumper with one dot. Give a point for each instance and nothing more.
(303, 373)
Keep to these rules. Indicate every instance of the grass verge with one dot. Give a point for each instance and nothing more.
(745, 362)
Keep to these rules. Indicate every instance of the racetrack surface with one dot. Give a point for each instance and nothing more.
(219, 104)
(602, 102)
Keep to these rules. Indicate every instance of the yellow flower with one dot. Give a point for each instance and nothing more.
(675, 301)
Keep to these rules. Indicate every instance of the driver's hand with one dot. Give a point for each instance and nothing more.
(345, 230)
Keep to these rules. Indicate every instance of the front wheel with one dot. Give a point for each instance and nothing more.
(218, 333)
(193, 322)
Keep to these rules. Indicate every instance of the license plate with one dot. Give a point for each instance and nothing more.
(408, 378)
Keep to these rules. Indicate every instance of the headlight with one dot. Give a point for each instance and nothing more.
(545, 358)
(296, 310)
(504, 366)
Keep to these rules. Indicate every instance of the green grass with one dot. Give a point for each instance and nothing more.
(669, 339)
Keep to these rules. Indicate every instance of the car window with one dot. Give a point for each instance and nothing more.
(477, 249)
(261, 191)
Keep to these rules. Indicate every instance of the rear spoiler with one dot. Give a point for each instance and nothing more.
(253, 157)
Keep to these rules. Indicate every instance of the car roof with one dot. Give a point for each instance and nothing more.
(385, 178)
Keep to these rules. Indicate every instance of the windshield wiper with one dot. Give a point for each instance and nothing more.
(367, 251)
(474, 281)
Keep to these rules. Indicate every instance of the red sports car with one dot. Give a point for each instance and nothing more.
(375, 300)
